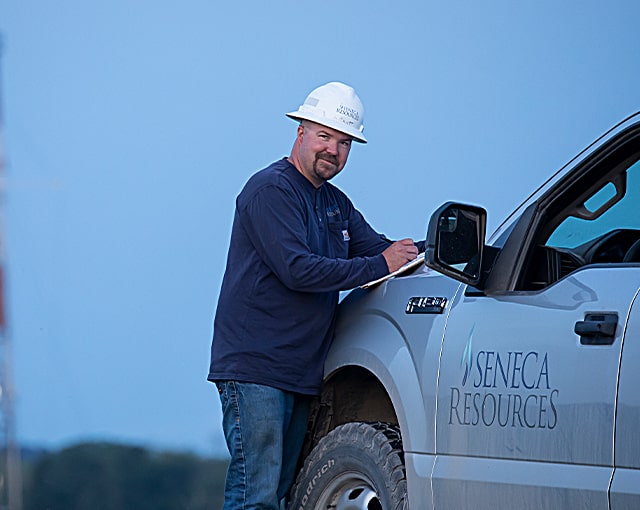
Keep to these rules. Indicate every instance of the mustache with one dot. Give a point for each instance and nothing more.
(327, 157)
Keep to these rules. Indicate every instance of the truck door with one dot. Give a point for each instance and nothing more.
(525, 405)
(625, 489)
(526, 399)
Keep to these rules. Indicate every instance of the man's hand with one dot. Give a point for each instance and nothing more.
(399, 253)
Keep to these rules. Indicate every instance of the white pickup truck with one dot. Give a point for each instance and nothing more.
(500, 374)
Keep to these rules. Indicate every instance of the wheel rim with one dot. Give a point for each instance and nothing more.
(349, 491)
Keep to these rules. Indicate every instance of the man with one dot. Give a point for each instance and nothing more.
(296, 241)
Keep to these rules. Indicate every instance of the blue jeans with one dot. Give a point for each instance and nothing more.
(264, 428)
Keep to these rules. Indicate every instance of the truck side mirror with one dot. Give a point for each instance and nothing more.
(455, 241)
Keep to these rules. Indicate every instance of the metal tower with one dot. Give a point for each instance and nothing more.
(10, 466)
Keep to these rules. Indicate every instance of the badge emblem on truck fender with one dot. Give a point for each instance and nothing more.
(422, 304)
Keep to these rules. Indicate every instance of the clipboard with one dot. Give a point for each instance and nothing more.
(409, 265)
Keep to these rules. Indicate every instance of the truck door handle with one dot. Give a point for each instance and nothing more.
(597, 328)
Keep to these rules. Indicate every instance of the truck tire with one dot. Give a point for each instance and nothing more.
(357, 466)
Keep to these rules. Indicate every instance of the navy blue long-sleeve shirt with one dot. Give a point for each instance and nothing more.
(293, 248)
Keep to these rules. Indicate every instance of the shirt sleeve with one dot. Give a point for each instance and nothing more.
(365, 241)
(274, 218)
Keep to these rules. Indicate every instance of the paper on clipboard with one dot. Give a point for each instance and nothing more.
(409, 265)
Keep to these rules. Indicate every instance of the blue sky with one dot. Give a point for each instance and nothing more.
(129, 128)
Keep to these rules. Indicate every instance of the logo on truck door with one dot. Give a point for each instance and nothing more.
(504, 389)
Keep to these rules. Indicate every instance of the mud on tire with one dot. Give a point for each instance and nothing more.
(357, 466)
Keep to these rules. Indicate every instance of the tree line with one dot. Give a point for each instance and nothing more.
(107, 476)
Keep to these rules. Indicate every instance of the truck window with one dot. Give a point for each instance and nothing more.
(575, 232)
(611, 237)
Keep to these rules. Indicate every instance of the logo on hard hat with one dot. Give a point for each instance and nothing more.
(348, 112)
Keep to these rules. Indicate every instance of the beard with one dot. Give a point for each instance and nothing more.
(326, 166)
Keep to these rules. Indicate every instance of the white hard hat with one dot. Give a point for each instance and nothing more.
(334, 105)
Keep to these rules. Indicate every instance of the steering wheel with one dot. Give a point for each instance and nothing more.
(633, 253)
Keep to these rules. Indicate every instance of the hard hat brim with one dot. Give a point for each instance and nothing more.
(333, 124)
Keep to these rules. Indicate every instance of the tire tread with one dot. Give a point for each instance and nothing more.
(384, 443)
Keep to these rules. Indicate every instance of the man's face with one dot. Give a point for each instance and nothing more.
(323, 151)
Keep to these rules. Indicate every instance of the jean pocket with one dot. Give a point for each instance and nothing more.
(226, 390)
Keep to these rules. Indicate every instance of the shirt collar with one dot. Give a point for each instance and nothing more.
(296, 175)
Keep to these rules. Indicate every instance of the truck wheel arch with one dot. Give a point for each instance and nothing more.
(373, 381)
